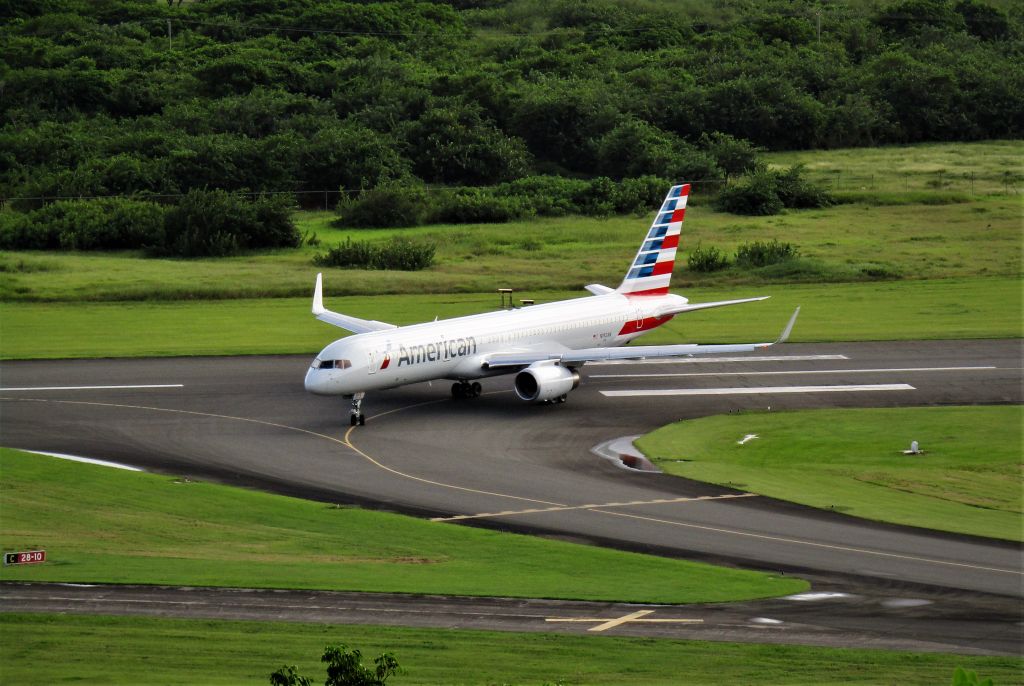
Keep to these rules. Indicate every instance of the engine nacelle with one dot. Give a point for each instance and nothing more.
(541, 382)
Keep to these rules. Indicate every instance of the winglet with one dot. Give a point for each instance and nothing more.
(318, 295)
(789, 327)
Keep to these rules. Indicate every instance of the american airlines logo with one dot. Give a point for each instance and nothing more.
(437, 352)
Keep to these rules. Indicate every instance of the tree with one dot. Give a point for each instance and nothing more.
(344, 668)
(452, 143)
(287, 676)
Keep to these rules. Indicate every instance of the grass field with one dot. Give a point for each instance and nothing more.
(131, 650)
(968, 480)
(955, 308)
(938, 168)
(847, 243)
(105, 525)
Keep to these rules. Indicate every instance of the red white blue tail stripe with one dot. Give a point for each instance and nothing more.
(652, 267)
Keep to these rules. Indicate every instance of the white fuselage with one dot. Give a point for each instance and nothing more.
(457, 348)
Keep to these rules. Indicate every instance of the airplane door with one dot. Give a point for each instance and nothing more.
(638, 317)
(372, 367)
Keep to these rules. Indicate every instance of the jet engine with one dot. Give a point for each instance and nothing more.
(544, 382)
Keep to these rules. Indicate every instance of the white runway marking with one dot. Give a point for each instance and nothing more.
(758, 390)
(709, 360)
(87, 460)
(792, 372)
(92, 388)
(564, 508)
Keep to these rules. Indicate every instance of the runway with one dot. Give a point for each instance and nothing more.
(497, 462)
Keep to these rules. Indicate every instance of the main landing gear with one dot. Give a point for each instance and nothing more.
(356, 416)
(465, 389)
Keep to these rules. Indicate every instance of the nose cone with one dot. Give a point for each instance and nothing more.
(314, 381)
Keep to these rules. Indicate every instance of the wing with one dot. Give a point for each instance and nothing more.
(679, 309)
(342, 321)
(633, 352)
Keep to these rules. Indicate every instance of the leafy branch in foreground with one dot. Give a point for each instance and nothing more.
(344, 668)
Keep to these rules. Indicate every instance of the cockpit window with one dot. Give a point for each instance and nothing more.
(331, 364)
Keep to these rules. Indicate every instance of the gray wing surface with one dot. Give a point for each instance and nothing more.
(630, 352)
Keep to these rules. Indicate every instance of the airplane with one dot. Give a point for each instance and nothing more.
(543, 345)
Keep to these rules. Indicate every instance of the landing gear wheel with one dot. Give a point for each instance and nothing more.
(562, 398)
(356, 417)
(465, 389)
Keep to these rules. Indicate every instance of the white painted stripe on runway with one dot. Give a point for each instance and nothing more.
(759, 390)
(87, 460)
(792, 372)
(708, 360)
(565, 508)
(92, 388)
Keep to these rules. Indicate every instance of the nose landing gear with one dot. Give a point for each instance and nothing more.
(356, 416)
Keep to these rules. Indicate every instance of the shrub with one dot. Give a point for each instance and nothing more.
(549, 196)
(734, 156)
(103, 224)
(797, 192)
(762, 254)
(216, 223)
(391, 205)
(767, 191)
(479, 206)
(399, 253)
(19, 232)
(709, 259)
(755, 195)
(640, 194)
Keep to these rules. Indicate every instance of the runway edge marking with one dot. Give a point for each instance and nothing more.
(345, 442)
(797, 541)
(660, 501)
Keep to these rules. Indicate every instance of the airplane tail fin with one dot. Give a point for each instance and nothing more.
(652, 267)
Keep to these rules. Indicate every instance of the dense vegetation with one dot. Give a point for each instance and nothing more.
(156, 99)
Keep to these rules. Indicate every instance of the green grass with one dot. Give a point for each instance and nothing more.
(850, 460)
(965, 169)
(105, 525)
(132, 650)
(956, 308)
(855, 242)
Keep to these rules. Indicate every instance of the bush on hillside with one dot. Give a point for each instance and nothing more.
(478, 206)
(755, 195)
(398, 253)
(767, 191)
(709, 259)
(214, 223)
(764, 253)
(394, 204)
(101, 224)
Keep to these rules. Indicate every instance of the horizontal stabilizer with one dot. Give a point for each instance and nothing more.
(598, 289)
(692, 307)
(342, 321)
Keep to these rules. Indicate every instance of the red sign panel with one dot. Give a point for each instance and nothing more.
(28, 557)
